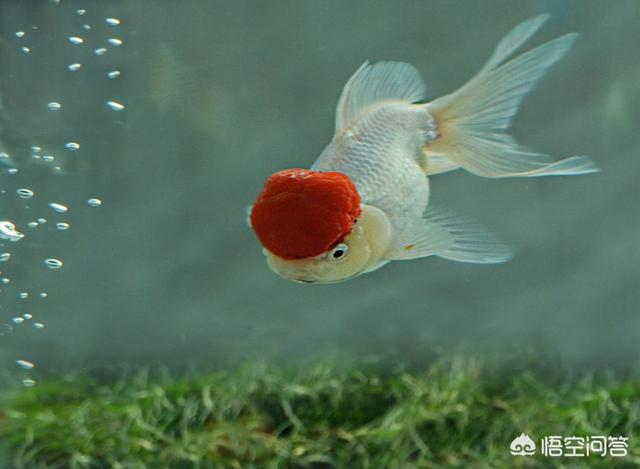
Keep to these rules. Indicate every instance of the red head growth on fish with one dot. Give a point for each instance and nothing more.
(302, 213)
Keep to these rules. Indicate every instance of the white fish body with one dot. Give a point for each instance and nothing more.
(388, 140)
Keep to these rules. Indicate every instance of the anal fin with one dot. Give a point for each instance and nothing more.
(436, 163)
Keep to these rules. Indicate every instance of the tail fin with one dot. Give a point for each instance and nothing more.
(472, 122)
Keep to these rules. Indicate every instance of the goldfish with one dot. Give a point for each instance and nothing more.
(365, 200)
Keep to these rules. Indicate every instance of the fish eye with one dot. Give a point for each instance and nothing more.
(339, 252)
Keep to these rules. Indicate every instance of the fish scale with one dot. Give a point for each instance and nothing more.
(379, 153)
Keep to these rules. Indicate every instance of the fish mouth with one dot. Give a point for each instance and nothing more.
(301, 280)
(323, 282)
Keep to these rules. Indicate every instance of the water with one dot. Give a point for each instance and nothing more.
(179, 124)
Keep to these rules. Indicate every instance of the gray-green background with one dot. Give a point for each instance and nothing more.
(218, 96)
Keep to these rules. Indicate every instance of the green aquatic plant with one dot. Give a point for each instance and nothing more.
(457, 412)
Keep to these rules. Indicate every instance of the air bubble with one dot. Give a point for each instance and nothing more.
(74, 67)
(62, 226)
(112, 21)
(28, 383)
(5, 329)
(54, 106)
(41, 220)
(5, 256)
(86, 27)
(8, 231)
(81, 11)
(5, 280)
(38, 325)
(35, 148)
(24, 193)
(100, 51)
(75, 40)
(113, 74)
(53, 263)
(58, 207)
(12, 170)
(94, 202)
(43, 294)
(32, 224)
(73, 146)
(48, 158)
(18, 320)
(19, 33)
(25, 50)
(115, 106)
(27, 316)
(23, 295)
(25, 365)
(114, 41)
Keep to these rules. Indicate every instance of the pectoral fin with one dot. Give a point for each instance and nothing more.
(453, 237)
(419, 238)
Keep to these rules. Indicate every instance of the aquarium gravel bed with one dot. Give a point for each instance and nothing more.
(457, 411)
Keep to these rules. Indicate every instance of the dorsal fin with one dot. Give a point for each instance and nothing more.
(382, 81)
